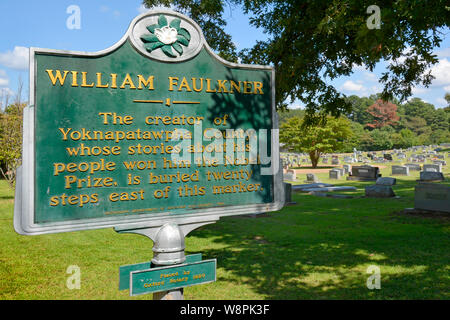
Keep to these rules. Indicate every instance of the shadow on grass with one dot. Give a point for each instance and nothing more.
(321, 248)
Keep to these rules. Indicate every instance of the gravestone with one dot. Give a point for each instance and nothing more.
(386, 181)
(311, 177)
(334, 174)
(290, 175)
(334, 160)
(400, 170)
(348, 159)
(432, 197)
(436, 167)
(303, 187)
(288, 193)
(364, 173)
(347, 168)
(431, 176)
(440, 162)
(413, 166)
(379, 191)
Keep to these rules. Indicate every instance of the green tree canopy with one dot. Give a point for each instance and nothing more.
(310, 42)
(327, 137)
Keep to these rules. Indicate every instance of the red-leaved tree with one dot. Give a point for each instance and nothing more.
(384, 113)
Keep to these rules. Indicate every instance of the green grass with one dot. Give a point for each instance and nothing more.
(318, 249)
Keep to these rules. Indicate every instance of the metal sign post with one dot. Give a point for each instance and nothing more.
(168, 249)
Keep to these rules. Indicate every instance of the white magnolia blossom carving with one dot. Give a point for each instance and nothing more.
(166, 34)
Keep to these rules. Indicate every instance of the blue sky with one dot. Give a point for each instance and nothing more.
(102, 23)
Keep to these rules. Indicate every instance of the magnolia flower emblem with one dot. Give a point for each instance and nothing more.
(166, 37)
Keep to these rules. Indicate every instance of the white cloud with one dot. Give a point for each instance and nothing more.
(349, 85)
(441, 102)
(443, 53)
(447, 88)
(16, 59)
(418, 90)
(441, 71)
(4, 81)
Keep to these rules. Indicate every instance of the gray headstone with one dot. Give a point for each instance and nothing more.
(432, 197)
(400, 170)
(302, 187)
(364, 173)
(379, 191)
(329, 189)
(334, 174)
(386, 181)
(437, 167)
(311, 177)
(413, 166)
(288, 192)
(431, 176)
(347, 168)
(441, 162)
(290, 175)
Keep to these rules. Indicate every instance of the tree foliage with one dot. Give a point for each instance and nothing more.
(315, 140)
(383, 113)
(11, 141)
(310, 42)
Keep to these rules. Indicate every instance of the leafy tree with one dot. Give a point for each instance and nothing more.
(383, 113)
(381, 140)
(11, 141)
(404, 139)
(358, 112)
(315, 140)
(310, 42)
(439, 136)
(284, 115)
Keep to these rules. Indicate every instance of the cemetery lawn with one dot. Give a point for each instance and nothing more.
(319, 248)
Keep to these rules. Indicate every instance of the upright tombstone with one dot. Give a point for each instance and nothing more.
(335, 174)
(432, 197)
(347, 168)
(437, 167)
(400, 170)
(431, 176)
(288, 194)
(290, 175)
(364, 173)
(131, 137)
(311, 178)
(334, 160)
(413, 166)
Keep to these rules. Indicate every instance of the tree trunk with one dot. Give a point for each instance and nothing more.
(314, 156)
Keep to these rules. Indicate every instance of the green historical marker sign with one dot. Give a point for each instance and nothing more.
(156, 128)
(172, 277)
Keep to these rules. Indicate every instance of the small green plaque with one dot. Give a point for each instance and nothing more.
(124, 271)
(172, 277)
